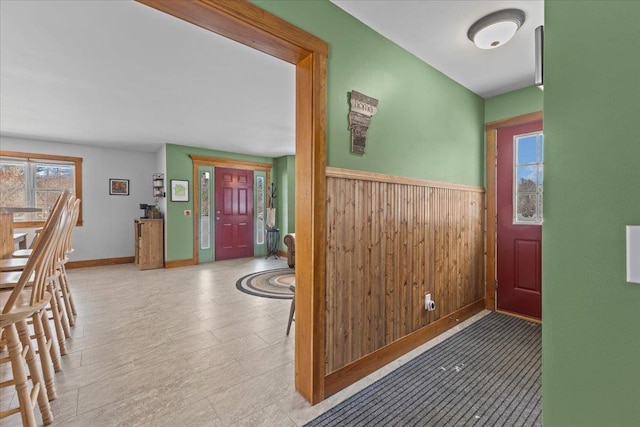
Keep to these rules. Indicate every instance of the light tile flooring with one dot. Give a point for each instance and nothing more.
(181, 347)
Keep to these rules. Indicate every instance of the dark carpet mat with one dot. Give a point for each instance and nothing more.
(488, 374)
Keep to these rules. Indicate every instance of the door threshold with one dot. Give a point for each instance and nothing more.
(520, 316)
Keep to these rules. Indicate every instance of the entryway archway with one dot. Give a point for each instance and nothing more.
(248, 24)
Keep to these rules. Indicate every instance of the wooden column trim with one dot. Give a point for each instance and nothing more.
(490, 222)
(491, 216)
(310, 227)
(248, 24)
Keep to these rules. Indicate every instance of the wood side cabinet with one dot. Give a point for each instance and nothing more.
(149, 240)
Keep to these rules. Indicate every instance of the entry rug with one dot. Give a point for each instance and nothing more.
(269, 284)
(488, 374)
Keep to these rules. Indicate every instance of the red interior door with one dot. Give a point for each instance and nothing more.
(234, 213)
(519, 240)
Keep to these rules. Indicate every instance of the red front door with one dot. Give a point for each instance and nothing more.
(519, 252)
(234, 213)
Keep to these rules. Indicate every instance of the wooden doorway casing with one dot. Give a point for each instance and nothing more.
(252, 26)
(491, 200)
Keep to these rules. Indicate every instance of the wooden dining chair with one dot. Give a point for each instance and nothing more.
(28, 300)
(9, 280)
(56, 304)
(65, 250)
(17, 262)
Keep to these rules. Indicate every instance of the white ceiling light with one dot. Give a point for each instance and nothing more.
(496, 28)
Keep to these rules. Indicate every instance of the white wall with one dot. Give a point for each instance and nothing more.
(107, 230)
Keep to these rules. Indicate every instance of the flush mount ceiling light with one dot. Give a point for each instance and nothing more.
(496, 28)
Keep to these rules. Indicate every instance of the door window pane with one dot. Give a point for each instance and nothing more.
(205, 223)
(528, 178)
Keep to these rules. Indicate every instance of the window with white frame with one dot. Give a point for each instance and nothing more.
(36, 180)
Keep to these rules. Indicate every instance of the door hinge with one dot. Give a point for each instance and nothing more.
(496, 285)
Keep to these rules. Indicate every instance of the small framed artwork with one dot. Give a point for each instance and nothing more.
(118, 187)
(179, 190)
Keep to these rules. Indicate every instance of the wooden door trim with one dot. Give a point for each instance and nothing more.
(216, 162)
(491, 200)
(221, 162)
(252, 26)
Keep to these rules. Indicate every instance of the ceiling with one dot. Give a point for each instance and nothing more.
(436, 32)
(122, 75)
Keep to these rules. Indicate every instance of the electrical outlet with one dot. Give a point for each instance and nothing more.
(429, 304)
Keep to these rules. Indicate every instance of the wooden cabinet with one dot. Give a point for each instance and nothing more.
(149, 241)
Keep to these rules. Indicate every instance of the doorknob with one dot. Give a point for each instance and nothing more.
(217, 218)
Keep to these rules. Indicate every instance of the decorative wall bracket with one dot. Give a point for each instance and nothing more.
(363, 107)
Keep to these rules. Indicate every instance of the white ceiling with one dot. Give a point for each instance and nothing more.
(436, 32)
(120, 74)
(123, 75)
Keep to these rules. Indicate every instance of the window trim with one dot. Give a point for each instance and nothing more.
(77, 161)
(539, 216)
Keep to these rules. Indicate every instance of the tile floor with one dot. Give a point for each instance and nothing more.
(182, 347)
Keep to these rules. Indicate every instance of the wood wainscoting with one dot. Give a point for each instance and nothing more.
(390, 241)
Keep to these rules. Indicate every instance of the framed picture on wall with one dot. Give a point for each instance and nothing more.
(118, 187)
(179, 190)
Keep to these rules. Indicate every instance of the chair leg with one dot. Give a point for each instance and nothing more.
(20, 378)
(53, 349)
(14, 347)
(57, 321)
(56, 287)
(291, 312)
(45, 356)
(69, 306)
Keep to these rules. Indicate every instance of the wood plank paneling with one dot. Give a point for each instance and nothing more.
(388, 244)
(349, 374)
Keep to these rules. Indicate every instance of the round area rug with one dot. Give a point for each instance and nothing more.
(269, 284)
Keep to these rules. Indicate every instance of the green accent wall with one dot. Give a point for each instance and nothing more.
(291, 195)
(179, 228)
(284, 178)
(591, 326)
(427, 125)
(512, 104)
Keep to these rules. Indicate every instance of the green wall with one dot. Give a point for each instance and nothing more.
(511, 104)
(591, 328)
(179, 228)
(516, 103)
(427, 126)
(284, 178)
